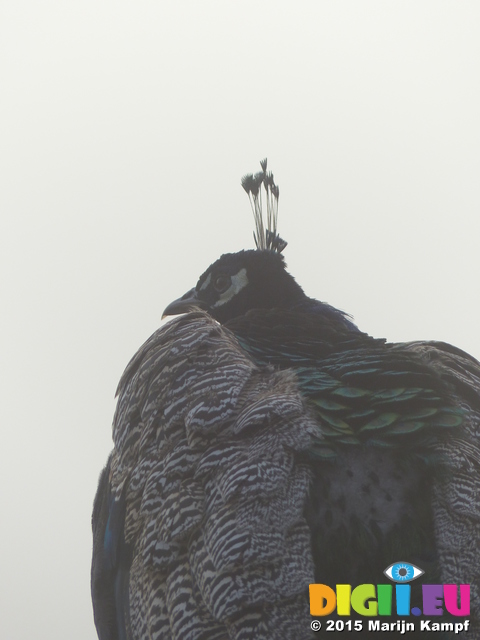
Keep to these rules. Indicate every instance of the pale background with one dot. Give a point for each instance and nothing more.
(125, 129)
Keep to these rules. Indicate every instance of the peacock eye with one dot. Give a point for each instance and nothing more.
(403, 572)
(222, 283)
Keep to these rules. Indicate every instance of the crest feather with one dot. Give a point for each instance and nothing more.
(265, 236)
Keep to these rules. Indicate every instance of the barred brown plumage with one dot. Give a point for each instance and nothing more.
(456, 491)
(206, 462)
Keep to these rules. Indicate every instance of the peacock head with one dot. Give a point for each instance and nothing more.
(254, 279)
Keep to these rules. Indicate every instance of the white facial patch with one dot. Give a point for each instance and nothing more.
(239, 282)
(206, 283)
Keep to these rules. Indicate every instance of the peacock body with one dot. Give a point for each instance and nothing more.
(263, 443)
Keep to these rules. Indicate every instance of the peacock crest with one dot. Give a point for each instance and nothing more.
(265, 236)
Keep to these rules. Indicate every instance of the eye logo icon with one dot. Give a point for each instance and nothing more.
(403, 572)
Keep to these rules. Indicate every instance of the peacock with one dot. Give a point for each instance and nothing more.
(263, 443)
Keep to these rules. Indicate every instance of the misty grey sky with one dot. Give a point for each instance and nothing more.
(125, 128)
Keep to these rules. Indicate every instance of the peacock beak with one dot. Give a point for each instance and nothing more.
(188, 302)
